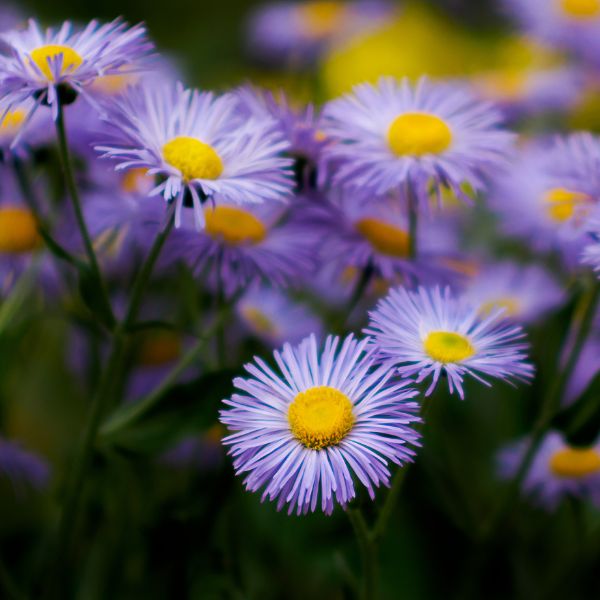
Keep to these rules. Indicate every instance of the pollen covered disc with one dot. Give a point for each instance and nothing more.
(580, 9)
(562, 204)
(18, 230)
(448, 346)
(575, 462)
(320, 19)
(193, 158)
(418, 134)
(320, 416)
(385, 238)
(234, 225)
(71, 60)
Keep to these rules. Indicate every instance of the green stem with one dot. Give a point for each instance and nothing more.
(67, 165)
(368, 553)
(550, 409)
(357, 293)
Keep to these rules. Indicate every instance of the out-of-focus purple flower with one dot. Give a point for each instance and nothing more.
(526, 292)
(328, 416)
(52, 65)
(432, 135)
(21, 467)
(549, 194)
(591, 253)
(275, 318)
(199, 145)
(244, 245)
(296, 33)
(557, 471)
(431, 332)
(587, 367)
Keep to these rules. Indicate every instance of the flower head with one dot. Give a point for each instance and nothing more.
(430, 332)
(558, 470)
(200, 144)
(59, 64)
(329, 415)
(392, 134)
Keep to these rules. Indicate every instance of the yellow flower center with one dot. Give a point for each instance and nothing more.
(385, 238)
(259, 321)
(448, 347)
(136, 180)
(18, 230)
(320, 19)
(575, 462)
(563, 203)
(511, 306)
(320, 417)
(13, 120)
(234, 225)
(580, 9)
(417, 134)
(71, 60)
(508, 85)
(159, 349)
(193, 158)
(113, 84)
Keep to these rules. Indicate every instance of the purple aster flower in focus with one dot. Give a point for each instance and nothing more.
(22, 467)
(199, 145)
(329, 415)
(63, 63)
(241, 246)
(431, 135)
(430, 333)
(296, 33)
(571, 24)
(558, 470)
(526, 292)
(549, 194)
(275, 318)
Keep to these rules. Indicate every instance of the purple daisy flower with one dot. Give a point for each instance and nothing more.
(198, 143)
(241, 246)
(329, 415)
(44, 64)
(526, 292)
(296, 33)
(558, 470)
(550, 193)
(275, 318)
(22, 467)
(430, 332)
(392, 134)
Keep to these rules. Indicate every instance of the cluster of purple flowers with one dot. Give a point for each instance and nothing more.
(365, 199)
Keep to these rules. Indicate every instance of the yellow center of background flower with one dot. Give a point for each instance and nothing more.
(159, 349)
(320, 417)
(320, 19)
(71, 60)
(259, 321)
(511, 306)
(562, 203)
(417, 134)
(575, 462)
(385, 238)
(18, 230)
(13, 120)
(234, 225)
(193, 158)
(581, 9)
(136, 180)
(448, 347)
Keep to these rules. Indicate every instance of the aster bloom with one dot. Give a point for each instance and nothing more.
(526, 292)
(275, 318)
(432, 135)
(198, 143)
(558, 470)
(330, 415)
(430, 332)
(551, 190)
(22, 467)
(591, 253)
(572, 24)
(241, 246)
(296, 33)
(58, 64)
